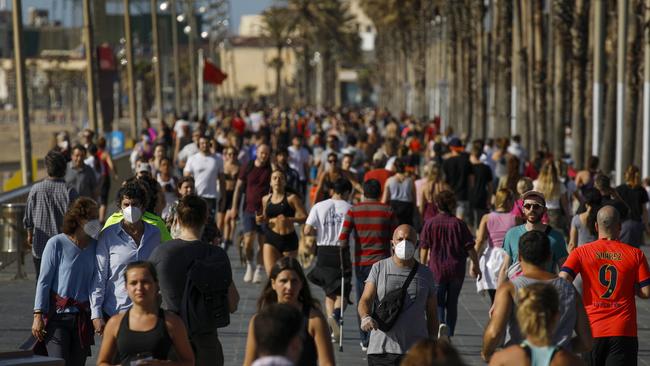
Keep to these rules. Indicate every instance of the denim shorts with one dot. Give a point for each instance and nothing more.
(249, 224)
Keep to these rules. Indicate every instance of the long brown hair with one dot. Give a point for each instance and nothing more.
(269, 296)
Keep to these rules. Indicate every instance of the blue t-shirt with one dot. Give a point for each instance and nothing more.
(558, 246)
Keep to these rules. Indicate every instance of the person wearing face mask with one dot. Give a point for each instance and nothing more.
(130, 240)
(418, 317)
(61, 306)
(173, 261)
(449, 242)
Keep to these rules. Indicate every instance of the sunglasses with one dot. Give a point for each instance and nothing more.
(533, 206)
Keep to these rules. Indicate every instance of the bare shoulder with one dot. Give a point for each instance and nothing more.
(564, 358)
(173, 321)
(513, 355)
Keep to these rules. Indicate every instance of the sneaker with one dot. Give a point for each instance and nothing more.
(259, 275)
(443, 332)
(248, 277)
(336, 328)
(363, 348)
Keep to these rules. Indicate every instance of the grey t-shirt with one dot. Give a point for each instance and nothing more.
(584, 235)
(411, 325)
(568, 317)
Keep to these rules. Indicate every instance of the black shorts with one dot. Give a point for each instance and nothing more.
(613, 351)
(283, 243)
(226, 201)
(327, 272)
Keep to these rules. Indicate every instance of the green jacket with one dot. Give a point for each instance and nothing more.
(148, 217)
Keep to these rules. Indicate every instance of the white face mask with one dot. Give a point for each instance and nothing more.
(404, 250)
(132, 214)
(92, 228)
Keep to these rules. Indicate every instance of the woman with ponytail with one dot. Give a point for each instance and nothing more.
(538, 312)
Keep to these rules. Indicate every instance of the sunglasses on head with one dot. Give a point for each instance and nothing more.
(532, 206)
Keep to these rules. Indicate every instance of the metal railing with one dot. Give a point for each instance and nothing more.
(19, 196)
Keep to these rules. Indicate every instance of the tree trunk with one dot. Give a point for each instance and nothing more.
(539, 72)
(589, 95)
(607, 149)
(633, 81)
(278, 77)
(561, 20)
(478, 80)
(504, 65)
(578, 80)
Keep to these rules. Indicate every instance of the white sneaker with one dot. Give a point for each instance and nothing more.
(443, 332)
(336, 328)
(248, 277)
(259, 275)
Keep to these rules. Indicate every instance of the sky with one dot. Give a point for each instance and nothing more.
(69, 10)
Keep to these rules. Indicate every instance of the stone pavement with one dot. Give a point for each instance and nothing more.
(18, 295)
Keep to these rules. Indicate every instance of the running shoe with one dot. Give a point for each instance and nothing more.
(248, 277)
(259, 275)
(443, 332)
(335, 326)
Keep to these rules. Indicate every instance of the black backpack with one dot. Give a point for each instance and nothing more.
(390, 306)
(204, 306)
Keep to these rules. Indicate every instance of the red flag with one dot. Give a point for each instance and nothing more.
(212, 74)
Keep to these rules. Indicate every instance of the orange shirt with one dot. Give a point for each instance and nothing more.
(610, 271)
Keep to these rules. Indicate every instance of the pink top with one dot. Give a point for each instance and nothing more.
(498, 224)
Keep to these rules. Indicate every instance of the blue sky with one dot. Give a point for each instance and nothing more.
(69, 10)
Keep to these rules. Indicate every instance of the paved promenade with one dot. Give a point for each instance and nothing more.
(18, 298)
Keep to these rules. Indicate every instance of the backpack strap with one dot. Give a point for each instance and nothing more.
(410, 277)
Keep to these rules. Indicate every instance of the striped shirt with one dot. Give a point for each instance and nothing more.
(373, 224)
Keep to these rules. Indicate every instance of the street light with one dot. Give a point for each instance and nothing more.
(180, 18)
(204, 35)
(164, 6)
(187, 29)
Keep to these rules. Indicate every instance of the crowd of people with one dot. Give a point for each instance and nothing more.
(391, 207)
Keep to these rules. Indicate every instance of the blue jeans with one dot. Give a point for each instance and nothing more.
(362, 273)
(448, 293)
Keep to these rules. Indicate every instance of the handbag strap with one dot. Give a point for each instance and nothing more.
(410, 277)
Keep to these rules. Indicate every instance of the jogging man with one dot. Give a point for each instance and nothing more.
(253, 181)
(207, 170)
(612, 272)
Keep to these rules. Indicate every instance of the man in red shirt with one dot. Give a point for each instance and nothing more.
(378, 172)
(612, 272)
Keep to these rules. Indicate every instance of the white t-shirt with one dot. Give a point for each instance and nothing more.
(205, 169)
(188, 150)
(297, 160)
(327, 218)
(178, 128)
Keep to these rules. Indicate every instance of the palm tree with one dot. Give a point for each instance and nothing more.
(277, 25)
(562, 19)
(579, 35)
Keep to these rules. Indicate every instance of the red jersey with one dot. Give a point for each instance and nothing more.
(610, 271)
(381, 175)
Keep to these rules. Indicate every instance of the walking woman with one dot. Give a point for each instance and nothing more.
(399, 193)
(583, 230)
(287, 285)
(538, 312)
(230, 173)
(557, 203)
(493, 228)
(144, 331)
(434, 185)
(62, 302)
(280, 210)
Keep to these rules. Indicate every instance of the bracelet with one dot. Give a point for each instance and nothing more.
(38, 312)
(366, 317)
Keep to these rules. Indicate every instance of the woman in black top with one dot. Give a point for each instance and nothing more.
(280, 210)
(287, 285)
(144, 332)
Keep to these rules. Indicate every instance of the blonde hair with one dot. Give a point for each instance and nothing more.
(538, 306)
(503, 197)
(524, 185)
(435, 174)
(633, 176)
(548, 182)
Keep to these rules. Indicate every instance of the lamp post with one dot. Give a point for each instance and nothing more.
(90, 66)
(21, 94)
(156, 60)
(129, 69)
